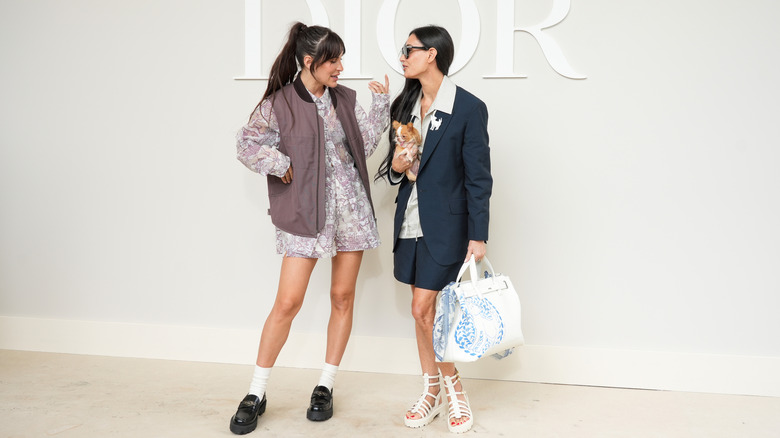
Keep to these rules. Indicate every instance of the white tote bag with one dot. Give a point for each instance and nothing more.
(477, 318)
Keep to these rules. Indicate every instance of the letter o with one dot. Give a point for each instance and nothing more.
(385, 34)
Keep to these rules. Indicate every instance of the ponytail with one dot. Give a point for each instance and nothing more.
(285, 66)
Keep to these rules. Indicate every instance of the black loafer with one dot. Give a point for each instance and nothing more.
(245, 419)
(321, 407)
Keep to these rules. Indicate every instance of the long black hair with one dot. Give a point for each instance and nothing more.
(319, 42)
(401, 109)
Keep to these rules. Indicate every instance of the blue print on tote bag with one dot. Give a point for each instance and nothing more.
(480, 326)
(445, 313)
(478, 317)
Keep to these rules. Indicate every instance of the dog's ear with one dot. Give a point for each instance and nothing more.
(396, 124)
(410, 125)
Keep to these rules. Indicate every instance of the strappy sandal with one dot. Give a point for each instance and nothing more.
(423, 407)
(458, 408)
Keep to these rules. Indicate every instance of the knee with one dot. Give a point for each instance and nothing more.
(423, 313)
(342, 300)
(286, 308)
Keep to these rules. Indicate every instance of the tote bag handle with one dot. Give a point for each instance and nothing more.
(471, 265)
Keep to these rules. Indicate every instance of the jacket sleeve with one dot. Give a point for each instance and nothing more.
(257, 143)
(394, 177)
(478, 180)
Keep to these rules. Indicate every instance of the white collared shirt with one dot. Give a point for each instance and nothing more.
(445, 100)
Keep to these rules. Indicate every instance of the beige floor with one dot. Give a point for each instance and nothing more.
(44, 395)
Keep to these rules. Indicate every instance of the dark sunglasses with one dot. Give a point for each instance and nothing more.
(406, 49)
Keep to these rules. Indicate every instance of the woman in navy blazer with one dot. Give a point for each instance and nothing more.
(441, 219)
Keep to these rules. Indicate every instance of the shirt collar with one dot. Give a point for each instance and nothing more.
(445, 98)
(306, 95)
(324, 99)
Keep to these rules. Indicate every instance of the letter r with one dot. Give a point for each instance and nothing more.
(505, 30)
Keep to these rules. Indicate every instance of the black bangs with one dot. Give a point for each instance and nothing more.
(330, 47)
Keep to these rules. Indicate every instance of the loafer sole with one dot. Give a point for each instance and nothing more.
(242, 429)
(319, 415)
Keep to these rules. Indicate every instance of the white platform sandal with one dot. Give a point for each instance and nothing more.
(457, 408)
(423, 407)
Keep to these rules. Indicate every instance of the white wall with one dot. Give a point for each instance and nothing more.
(635, 210)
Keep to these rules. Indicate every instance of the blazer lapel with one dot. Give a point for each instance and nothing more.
(439, 122)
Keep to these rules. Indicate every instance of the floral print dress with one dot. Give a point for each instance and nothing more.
(349, 219)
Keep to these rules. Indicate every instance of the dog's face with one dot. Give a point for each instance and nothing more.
(406, 133)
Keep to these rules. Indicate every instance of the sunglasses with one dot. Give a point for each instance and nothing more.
(406, 49)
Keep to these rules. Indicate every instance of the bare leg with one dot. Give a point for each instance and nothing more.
(424, 313)
(342, 301)
(293, 281)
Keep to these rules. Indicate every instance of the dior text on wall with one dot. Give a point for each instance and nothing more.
(385, 25)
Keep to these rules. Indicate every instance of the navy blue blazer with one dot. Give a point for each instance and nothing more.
(454, 182)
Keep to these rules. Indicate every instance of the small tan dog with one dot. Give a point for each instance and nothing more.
(407, 142)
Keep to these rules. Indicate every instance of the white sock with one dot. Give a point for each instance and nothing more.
(259, 381)
(328, 377)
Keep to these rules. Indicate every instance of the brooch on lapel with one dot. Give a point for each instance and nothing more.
(435, 123)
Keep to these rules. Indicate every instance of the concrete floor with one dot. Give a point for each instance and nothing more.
(69, 396)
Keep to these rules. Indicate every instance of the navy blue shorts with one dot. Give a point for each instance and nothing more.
(413, 264)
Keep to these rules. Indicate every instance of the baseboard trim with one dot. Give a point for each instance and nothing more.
(725, 374)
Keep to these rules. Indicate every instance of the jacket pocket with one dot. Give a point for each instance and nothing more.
(276, 187)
